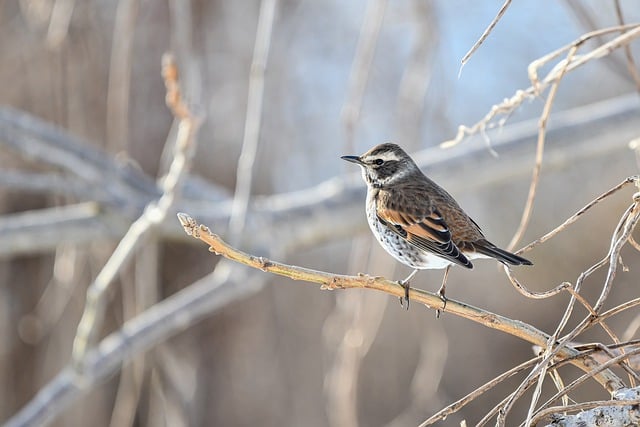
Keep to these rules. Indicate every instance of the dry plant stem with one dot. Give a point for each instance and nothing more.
(416, 76)
(561, 325)
(620, 235)
(118, 91)
(166, 318)
(358, 315)
(626, 226)
(627, 223)
(361, 66)
(575, 383)
(633, 243)
(573, 218)
(632, 328)
(527, 383)
(619, 309)
(153, 215)
(531, 294)
(624, 364)
(623, 231)
(336, 281)
(599, 52)
(565, 286)
(559, 383)
(59, 22)
(498, 409)
(244, 174)
(484, 35)
(542, 132)
(459, 404)
(510, 104)
(631, 64)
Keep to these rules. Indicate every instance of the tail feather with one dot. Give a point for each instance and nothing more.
(491, 250)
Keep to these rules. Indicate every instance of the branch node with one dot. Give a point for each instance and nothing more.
(264, 263)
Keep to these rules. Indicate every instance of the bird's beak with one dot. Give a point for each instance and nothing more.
(352, 159)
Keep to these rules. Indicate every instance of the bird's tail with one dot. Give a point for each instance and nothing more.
(491, 250)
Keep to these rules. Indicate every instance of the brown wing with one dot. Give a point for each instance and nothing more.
(420, 224)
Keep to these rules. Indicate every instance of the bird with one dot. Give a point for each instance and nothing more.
(418, 222)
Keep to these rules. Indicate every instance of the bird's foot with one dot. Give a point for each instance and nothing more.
(405, 285)
(441, 292)
(443, 298)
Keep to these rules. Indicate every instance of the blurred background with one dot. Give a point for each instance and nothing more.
(281, 352)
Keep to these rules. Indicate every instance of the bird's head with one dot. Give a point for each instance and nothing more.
(384, 164)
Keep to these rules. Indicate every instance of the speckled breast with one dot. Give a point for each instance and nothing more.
(396, 246)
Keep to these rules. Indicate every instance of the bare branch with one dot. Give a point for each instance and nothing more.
(510, 104)
(542, 132)
(360, 67)
(244, 175)
(459, 404)
(573, 218)
(153, 215)
(631, 63)
(120, 66)
(166, 318)
(484, 35)
(129, 190)
(337, 281)
(59, 22)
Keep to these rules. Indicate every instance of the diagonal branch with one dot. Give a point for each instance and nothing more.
(337, 281)
(484, 35)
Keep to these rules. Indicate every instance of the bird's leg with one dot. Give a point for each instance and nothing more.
(441, 291)
(405, 284)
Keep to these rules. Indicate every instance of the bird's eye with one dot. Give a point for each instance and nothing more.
(378, 162)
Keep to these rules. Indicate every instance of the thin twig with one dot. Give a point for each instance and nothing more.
(244, 173)
(484, 35)
(510, 104)
(360, 67)
(562, 324)
(573, 218)
(631, 63)
(153, 215)
(166, 318)
(459, 404)
(623, 231)
(624, 228)
(61, 13)
(551, 351)
(120, 66)
(575, 383)
(542, 132)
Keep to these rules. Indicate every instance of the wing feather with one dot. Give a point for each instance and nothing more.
(427, 232)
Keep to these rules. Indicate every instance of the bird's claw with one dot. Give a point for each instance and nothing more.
(405, 285)
(444, 303)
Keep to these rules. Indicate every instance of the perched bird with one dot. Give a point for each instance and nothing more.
(416, 220)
